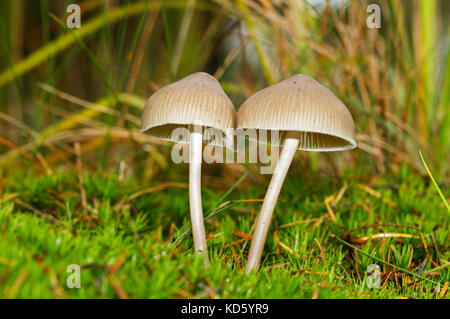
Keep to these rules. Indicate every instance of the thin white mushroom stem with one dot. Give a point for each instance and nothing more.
(195, 195)
(262, 225)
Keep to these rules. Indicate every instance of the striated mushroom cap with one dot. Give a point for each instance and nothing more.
(301, 104)
(196, 100)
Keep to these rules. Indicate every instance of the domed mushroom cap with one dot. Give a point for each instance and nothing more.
(301, 104)
(197, 99)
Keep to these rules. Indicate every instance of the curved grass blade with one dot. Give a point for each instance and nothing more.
(434, 182)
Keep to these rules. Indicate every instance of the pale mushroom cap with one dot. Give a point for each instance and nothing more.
(301, 104)
(197, 99)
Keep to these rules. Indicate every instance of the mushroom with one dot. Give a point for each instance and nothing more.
(195, 103)
(308, 117)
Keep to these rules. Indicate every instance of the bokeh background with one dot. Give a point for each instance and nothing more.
(59, 85)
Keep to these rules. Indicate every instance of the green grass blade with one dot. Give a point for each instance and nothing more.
(386, 262)
(434, 182)
(239, 181)
(264, 60)
(87, 51)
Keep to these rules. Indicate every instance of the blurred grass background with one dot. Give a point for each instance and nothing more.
(70, 99)
(395, 80)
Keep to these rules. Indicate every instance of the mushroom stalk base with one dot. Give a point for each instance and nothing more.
(195, 195)
(262, 225)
